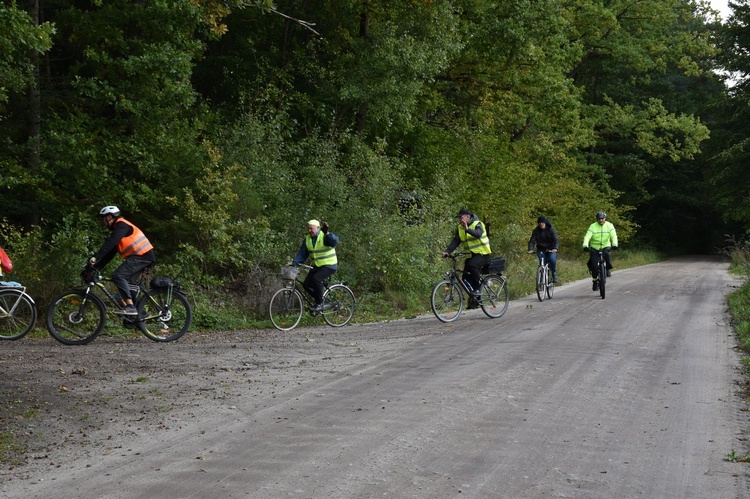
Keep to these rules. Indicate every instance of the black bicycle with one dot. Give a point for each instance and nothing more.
(599, 268)
(78, 316)
(448, 294)
(286, 306)
(17, 311)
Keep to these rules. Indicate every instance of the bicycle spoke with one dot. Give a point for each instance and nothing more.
(74, 318)
(338, 305)
(164, 315)
(286, 309)
(447, 302)
(495, 296)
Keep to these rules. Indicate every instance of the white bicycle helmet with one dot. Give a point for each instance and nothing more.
(109, 210)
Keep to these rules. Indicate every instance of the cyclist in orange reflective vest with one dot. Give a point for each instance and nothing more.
(319, 245)
(471, 231)
(132, 245)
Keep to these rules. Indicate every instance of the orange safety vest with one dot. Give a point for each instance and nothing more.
(134, 244)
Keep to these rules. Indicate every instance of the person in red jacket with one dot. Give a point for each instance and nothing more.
(132, 245)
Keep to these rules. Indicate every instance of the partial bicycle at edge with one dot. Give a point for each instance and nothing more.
(18, 311)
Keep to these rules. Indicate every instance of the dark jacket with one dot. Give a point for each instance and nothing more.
(544, 239)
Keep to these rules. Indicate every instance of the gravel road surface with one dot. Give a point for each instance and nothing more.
(575, 397)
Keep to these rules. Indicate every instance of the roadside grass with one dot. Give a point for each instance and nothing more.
(739, 309)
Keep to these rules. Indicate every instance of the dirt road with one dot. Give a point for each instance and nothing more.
(632, 396)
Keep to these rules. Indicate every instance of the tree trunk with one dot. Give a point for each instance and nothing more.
(364, 29)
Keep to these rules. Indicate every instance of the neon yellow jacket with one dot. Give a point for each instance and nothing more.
(600, 236)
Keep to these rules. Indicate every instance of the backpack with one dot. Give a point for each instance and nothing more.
(5, 262)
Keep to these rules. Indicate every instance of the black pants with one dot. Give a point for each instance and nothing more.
(472, 266)
(127, 272)
(593, 255)
(313, 283)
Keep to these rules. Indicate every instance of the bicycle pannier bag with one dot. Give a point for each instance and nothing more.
(496, 265)
(5, 263)
(161, 282)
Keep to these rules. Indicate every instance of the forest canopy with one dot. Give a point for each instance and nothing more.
(221, 127)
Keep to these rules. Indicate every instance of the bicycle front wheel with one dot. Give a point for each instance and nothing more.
(602, 278)
(75, 318)
(286, 309)
(447, 301)
(17, 314)
(540, 284)
(338, 305)
(550, 284)
(165, 315)
(495, 296)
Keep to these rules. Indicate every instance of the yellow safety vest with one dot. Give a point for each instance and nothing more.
(320, 254)
(481, 245)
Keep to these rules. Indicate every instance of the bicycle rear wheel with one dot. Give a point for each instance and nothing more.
(495, 296)
(338, 305)
(75, 318)
(447, 301)
(165, 315)
(17, 314)
(550, 284)
(540, 284)
(602, 277)
(286, 309)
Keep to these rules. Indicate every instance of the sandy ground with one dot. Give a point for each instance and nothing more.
(633, 396)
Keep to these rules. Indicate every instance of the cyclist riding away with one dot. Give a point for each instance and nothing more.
(544, 236)
(471, 232)
(600, 234)
(319, 245)
(133, 246)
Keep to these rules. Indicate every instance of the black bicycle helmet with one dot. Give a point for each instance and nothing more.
(600, 214)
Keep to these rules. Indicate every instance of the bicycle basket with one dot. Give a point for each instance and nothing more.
(160, 282)
(288, 272)
(495, 266)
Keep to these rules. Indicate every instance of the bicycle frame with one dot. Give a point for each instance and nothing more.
(544, 284)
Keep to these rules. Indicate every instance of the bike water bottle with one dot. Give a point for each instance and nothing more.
(119, 299)
(468, 286)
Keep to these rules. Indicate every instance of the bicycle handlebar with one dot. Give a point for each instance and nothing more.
(592, 250)
(456, 255)
(303, 265)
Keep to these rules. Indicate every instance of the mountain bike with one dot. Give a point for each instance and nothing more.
(599, 268)
(448, 294)
(17, 311)
(286, 306)
(77, 316)
(544, 284)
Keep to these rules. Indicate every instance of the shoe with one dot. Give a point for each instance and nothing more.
(472, 304)
(317, 308)
(554, 278)
(476, 294)
(129, 310)
(609, 273)
(595, 286)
